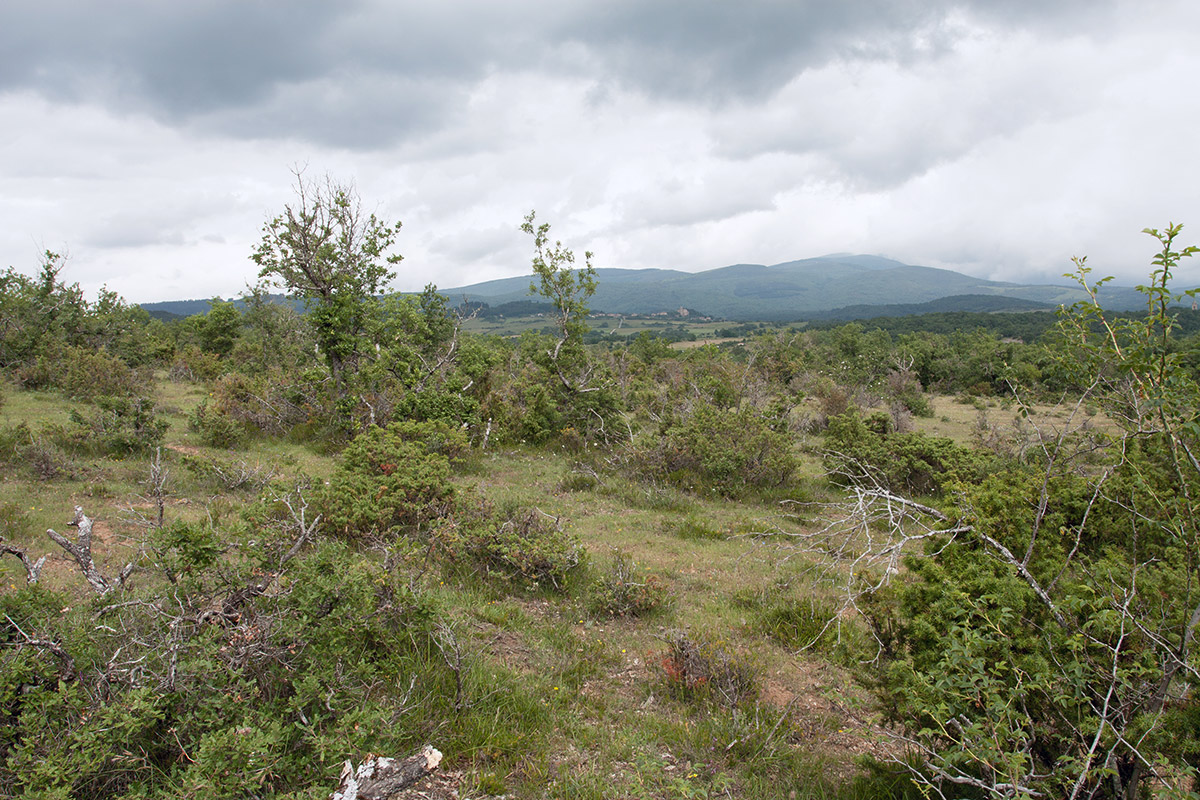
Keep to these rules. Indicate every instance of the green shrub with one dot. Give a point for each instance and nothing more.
(626, 591)
(729, 453)
(907, 463)
(259, 404)
(518, 543)
(390, 480)
(84, 374)
(117, 426)
(193, 364)
(215, 428)
(40, 454)
(579, 479)
(186, 547)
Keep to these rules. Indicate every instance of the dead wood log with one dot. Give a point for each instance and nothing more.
(381, 778)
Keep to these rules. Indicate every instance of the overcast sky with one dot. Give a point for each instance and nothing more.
(151, 140)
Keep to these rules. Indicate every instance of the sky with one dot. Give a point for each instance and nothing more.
(150, 141)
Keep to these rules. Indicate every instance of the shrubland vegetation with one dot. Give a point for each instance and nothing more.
(843, 562)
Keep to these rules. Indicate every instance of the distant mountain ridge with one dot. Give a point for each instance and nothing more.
(846, 285)
(803, 289)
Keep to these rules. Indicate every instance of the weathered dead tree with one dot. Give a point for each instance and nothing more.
(81, 551)
(381, 778)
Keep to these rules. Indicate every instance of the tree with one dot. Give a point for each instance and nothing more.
(220, 327)
(564, 388)
(568, 291)
(327, 249)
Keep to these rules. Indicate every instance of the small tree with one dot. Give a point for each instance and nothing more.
(327, 249)
(583, 399)
(568, 291)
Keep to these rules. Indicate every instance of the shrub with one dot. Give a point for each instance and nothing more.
(240, 405)
(707, 670)
(727, 452)
(215, 428)
(192, 363)
(118, 426)
(905, 389)
(909, 463)
(519, 543)
(580, 478)
(22, 448)
(85, 374)
(393, 479)
(626, 591)
(257, 403)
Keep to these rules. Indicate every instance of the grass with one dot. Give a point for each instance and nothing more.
(562, 702)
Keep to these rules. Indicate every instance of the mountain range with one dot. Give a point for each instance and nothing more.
(840, 286)
(835, 286)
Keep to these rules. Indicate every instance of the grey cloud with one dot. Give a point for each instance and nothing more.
(350, 110)
(263, 69)
(723, 51)
(173, 58)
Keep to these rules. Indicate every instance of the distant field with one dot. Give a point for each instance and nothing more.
(618, 326)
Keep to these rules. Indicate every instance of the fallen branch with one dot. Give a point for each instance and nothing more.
(380, 778)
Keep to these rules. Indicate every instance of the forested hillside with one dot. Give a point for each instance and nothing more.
(242, 548)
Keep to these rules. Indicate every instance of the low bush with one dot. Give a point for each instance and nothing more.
(707, 670)
(906, 463)
(193, 364)
(627, 591)
(391, 480)
(729, 453)
(117, 426)
(83, 374)
(215, 428)
(579, 478)
(36, 453)
(518, 543)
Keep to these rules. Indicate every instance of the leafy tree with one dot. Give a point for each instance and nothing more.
(569, 379)
(326, 249)
(42, 317)
(220, 327)
(568, 291)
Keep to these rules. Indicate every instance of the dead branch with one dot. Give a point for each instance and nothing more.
(81, 551)
(380, 778)
(302, 528)
(68, 663)
(33, 569)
